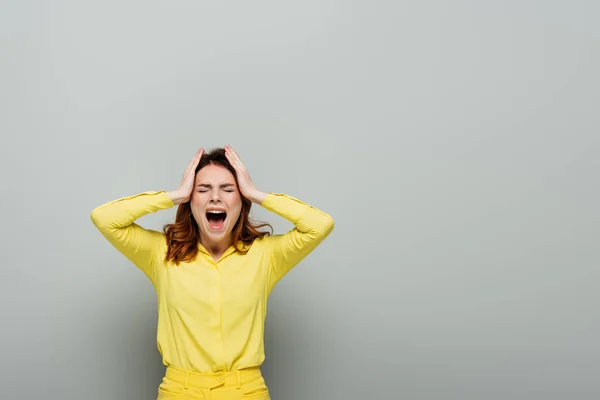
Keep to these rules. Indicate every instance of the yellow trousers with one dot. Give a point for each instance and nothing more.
(242, 384)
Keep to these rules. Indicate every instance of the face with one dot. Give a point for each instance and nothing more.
(216, 203)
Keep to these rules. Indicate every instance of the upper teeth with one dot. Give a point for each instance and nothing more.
(216, 211)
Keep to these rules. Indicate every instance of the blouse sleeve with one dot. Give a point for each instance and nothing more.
(311, 227)
(115, 220)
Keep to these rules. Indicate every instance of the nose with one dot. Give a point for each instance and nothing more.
(215, 196)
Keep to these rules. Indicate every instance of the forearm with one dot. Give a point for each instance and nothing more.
(177, 197)
(305, 217)
(256, 196)
(122, 212)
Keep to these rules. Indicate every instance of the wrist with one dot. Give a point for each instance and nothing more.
(177, 197)
(256, 196)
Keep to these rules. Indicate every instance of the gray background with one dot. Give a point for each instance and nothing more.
(455, 144)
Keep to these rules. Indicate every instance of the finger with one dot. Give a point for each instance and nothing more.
(194, 163)
(199, 157)
(229, 154)
(235, 162)
(235, 155)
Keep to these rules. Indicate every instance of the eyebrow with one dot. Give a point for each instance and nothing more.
(208, 185)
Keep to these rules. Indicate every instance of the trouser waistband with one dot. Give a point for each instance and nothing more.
(212, 380)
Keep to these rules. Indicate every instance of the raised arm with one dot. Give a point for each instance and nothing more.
(311, 225)
(115, 220)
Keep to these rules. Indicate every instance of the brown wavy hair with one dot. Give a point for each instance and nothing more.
(183, 235)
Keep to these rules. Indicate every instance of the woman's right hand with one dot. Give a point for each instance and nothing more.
(184, 192)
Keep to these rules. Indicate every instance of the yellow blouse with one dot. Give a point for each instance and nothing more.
(211, 314)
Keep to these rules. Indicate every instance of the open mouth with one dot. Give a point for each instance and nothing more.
(216, 218)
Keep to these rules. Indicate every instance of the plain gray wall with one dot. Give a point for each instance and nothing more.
(455, 143)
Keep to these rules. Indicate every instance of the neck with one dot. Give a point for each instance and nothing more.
(216, 247)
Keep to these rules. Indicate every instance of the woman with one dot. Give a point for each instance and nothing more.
(212, 271)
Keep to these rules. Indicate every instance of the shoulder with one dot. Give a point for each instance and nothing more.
(265, 242)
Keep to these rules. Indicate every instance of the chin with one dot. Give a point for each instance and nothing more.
(216, 235)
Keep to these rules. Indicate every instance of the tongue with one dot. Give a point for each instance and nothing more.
(216, 224)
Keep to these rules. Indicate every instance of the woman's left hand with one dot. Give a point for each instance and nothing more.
(245, 184)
